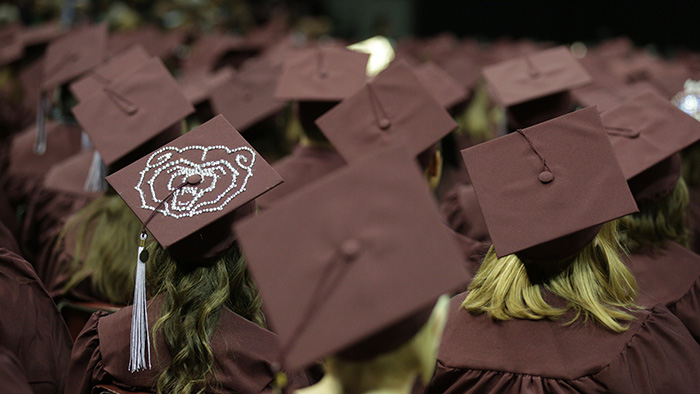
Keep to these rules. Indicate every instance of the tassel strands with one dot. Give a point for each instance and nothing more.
(140, 350)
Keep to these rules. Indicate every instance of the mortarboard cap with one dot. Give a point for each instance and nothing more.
(134, 108)
(545, 190)
(41, 34)
(11, 44)
(392, 108)
(156, 42)
(63, 141)
(74, 54)
(70, 176)
(646, 132)
(197, 85)
(322, 74)
(248, 97)
(209, 51)
(359, 257)
(534, 76)
(445, 89)
(124, 63)
(231, 174)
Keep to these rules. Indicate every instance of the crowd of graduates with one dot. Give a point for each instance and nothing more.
(197, 210)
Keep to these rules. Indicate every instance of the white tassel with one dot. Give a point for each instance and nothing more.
(85, 142)
(140, 349)
(95, 181)
(40, 143)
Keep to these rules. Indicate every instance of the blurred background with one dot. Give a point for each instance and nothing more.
(663, 26)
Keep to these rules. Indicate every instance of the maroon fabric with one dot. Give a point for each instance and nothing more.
(31, 327)
(305, 165)
(12, 374)
(671, 277)
(478, 355)
(243, 354)
(472, 250)
(7, 240)
(27, 169)
(461, 211)
(46, 214)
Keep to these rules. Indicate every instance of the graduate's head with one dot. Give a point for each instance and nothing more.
(548, 194)
(317, 78)
(536, 87)
(365, 254)
(647, 132)
(188, 194)
(393, 109)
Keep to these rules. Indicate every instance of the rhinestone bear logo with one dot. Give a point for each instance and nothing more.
(224, 174)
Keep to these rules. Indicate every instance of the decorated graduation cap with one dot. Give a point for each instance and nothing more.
(248, 97)
(364, 255)
(546, 190)
(647, 132)
(535, 87)
(445, 89)
(132, 109)
(188, 193)
(106, 72)
(322, 74)
(393, 108)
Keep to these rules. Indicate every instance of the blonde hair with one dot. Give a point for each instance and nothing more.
(595, 283)
(658, 222)
(416, 356)
(107, 231)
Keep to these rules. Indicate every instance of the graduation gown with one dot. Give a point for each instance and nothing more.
(12, 374)
(461, 212)
(479, 355)
(31, 327)
(243, 353)
(670, 277)
(304, 165)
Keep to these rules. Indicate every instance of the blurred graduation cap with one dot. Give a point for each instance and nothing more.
(445, 89)
(364, 261)
(132, 109)
(65, 59)
(12, 46)
(322, 74)
(394, 108)
(546, 190)
(210, 50)
(106, 72)
(248, 96)
(155, 41)
(188, 194)
(535, 87)
(74, 54)
(647, 132)
(197, 85)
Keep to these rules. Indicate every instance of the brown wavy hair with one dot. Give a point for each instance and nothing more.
(106, 231)
(658, 222)
(595, 283)
(193, 298)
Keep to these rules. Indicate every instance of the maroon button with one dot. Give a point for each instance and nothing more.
(384, 123)
(350, 248)
(546, 177)
(194, 179)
